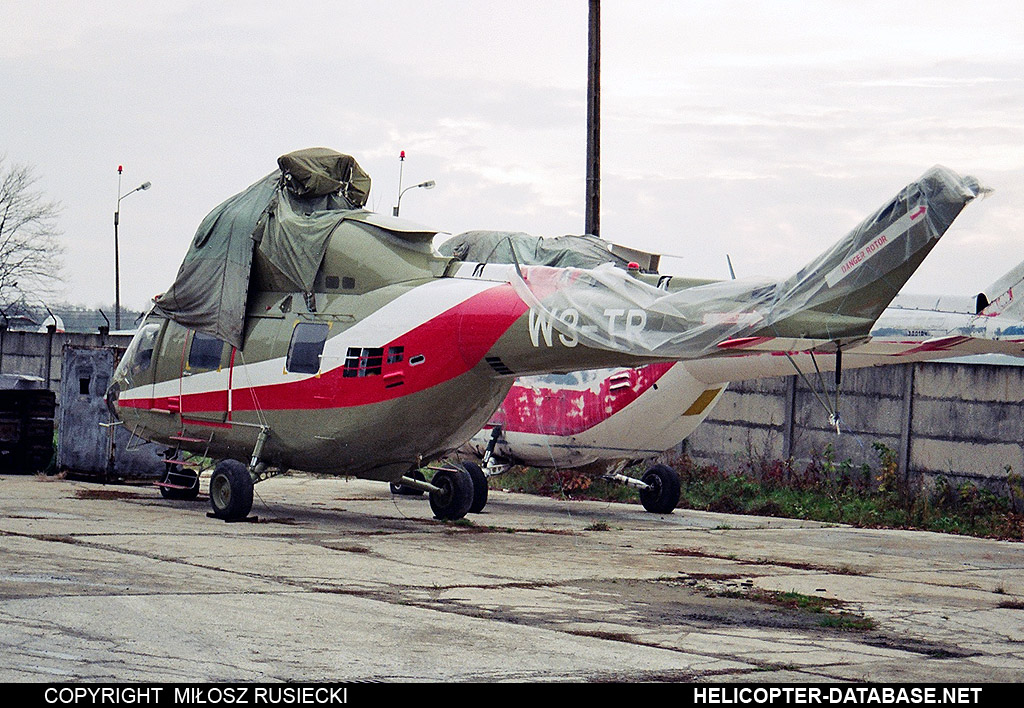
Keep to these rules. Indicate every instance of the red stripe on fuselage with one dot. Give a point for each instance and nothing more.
(451, 343)
(563, 411)
(937, 345)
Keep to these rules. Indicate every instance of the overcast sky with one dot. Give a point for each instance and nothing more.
(763, 130)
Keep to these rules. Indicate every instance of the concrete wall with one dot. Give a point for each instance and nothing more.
(961, 420)
(39, 354)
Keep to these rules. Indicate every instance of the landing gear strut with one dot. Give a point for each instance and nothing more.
(405, 489)
(231, 485)
(479, 475)
(659, 488)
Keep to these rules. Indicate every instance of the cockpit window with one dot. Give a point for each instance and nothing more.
(140, 352)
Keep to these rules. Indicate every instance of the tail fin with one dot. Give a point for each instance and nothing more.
(999, 297)
(841, 293)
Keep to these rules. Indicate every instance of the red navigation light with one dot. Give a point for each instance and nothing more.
(120, 168)
(633, 266)
(402, 156)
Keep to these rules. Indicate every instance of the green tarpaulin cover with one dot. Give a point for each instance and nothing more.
(289, 215)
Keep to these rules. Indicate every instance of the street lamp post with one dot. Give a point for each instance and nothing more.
(429, 184)
(117, 259)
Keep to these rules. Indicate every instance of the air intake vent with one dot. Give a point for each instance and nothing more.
(499, 366)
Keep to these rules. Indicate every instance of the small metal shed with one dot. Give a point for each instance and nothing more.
(90, 442)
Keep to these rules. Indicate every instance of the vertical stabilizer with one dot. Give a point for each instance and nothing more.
(1006, 295)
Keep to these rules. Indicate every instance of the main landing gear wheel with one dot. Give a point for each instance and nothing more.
(399, 488)
(454, 495)
(186, 484)
(479, 486)
(662, 494)
(231, 490)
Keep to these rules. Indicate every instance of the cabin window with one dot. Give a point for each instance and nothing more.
(363, 362)
(204, 355)
(306, 347)
(395, 354)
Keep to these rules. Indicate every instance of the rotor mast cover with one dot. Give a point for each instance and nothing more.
(318, 172)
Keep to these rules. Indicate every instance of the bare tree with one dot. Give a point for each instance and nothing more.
(31, 256)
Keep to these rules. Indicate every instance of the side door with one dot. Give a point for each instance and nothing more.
(205, 377)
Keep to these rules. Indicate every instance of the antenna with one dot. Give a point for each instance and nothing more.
(731, 271)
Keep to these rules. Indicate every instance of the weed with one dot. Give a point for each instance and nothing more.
(847, 622)
(832, 614)
(824, 489)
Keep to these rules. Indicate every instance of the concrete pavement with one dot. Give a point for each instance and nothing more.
(340, 581)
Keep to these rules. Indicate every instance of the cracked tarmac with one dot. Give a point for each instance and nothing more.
(340, 581)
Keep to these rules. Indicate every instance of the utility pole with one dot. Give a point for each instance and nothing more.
(117, 257)
(593, 207)
(401, 169)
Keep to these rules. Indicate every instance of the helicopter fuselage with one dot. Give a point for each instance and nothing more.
(369, 384)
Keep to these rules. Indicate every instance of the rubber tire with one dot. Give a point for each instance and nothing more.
(455, 497)
(479, 486)
(399, 488)
(179, 494)
(231, 490)
(664, 492)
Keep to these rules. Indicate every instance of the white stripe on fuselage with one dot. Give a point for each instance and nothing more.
(403, 314)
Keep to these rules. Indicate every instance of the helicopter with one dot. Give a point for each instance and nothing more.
(601, 421)
(305, 332)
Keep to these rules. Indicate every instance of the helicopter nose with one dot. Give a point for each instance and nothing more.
(111, 396)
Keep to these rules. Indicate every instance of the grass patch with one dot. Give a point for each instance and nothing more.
(865, 496)
(799, 601)
(832, 614)
(847, 622)
(824, 490)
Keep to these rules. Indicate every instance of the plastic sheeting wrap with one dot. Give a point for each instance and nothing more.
(837, 295)
(504, 246)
